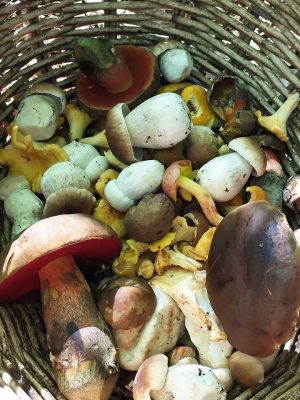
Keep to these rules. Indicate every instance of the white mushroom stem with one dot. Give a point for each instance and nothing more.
(159, 335)
(37, 116)
(88, 158)
(133, 183)
(175, 65)
(21, 205)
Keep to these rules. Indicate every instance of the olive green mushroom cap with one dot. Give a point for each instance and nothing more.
(253, 278)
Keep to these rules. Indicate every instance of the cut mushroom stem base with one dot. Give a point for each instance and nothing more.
(82, 353)
(204, 198)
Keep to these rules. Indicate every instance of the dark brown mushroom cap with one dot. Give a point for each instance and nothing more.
(151, 219)
(79, 235)
(69, 201)
(253, 278)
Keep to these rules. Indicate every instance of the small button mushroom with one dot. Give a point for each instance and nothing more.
(82, 352)
(37, 116)
(50, 90)
(88, 158)
(165, 45)
(126, 303)
(175, 65)
(151, 219)
(291, 193)
(246, 370)
(21, 205)
(225, 176)
(201, 146)
(253, 278)
(133, 183)
(158, 335)
(160, 122)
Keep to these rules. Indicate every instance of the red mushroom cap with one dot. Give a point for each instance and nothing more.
(96, 100)
(68, 234)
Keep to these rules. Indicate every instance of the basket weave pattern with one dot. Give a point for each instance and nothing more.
(254, 40)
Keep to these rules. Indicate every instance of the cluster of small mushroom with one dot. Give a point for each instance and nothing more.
(179, 191)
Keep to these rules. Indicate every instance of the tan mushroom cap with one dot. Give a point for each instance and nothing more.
(69, 201)
(77, 234)
(117, 134)
(251, 152)
(253, 278)
(150, 376)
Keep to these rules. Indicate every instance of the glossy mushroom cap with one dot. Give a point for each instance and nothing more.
(77, 234)
(253, 278)
(127, 303)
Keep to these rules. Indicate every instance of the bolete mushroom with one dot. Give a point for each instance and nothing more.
(253, 278)
(150, 219)
(126, 303)
(82, 352)
(124, 74)
(160, 122)
(155, 336)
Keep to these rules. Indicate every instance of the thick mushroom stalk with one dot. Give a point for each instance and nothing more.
(174, 177)
(225, 176)
(276, 123)
(78, 339)
(82, 352)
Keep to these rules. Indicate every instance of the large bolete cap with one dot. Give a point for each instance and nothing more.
(68, 234)
(253, 278)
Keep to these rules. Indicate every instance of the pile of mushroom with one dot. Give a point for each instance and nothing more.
(148, 216)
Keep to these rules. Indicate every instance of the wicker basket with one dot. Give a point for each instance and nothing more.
(255, 40)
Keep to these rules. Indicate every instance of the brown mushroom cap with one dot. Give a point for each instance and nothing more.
(253, 278)
(151, 219)
(69, 200)
(126, 303)
(78, 234)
